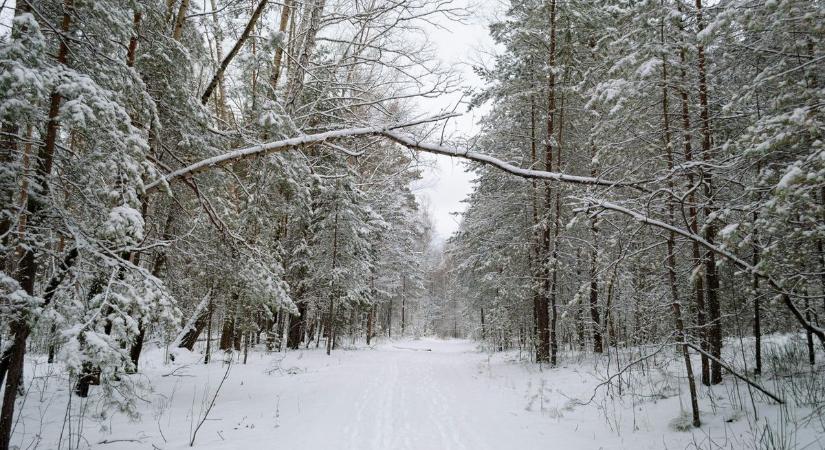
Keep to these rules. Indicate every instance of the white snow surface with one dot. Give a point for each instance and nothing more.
(413, 394)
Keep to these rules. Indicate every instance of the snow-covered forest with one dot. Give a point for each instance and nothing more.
(210, 235)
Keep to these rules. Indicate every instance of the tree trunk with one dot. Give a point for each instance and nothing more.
(581, 308)
(331, 318)
(370, 319)
(809, 335)
(757, 311)
(27, 269)
(698, 286)
(190, 337)
(313, 11)
(711, 272)
(594, 274)
(540, 317)
(180, 19)
(231, 55)
(208, 354)
(403, 305)
(389, 320)
(296, 327)
(227, 332)
(483, 331)
(671, 247)
(286, 13)
(546, 306)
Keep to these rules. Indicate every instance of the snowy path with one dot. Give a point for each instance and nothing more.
(398, 398)
(395, 396)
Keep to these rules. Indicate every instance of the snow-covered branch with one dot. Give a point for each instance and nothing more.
(744, 265)
(410, 142)
(283, 145)
(389, 132)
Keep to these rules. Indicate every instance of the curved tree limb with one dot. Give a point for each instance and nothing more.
(741, 263)
(389, 132)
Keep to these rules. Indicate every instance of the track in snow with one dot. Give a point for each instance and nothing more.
(391, 397)
(394, 397)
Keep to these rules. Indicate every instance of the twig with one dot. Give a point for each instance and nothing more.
(173, 374)
(211, 404)
(737, 375)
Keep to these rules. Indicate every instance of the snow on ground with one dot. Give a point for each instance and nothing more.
(417, 394)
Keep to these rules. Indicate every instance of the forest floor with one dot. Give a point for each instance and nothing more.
(413, 394)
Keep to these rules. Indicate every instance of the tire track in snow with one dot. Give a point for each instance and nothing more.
(368, 397)
(451, 410)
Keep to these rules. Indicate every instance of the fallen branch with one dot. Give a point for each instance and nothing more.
(610, 378)
(786, 299)
(414, 349)
(211, 404)
(736, 374)
(114, 441)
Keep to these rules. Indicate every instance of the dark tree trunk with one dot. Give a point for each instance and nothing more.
(137, 346)
(483, 331)
(237, 335)
(594, 286)
(711, 272)
(208, 354)
(191, 336)
(296, 327)
(757, 312)
(676, 306)
(698, 288)
(809, 335)
(227, 332)
(370, 319)
(234, 51)
(27, 269)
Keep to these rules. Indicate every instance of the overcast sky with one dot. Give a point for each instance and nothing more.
(446, 183)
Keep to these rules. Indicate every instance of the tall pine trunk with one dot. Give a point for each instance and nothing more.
(711, 271)
(693, 215)
(28, 266)
(676, 306)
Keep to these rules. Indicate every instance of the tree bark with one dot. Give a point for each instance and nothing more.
(228, 329)
(370, 319)
(711, 272)
(190, 337)
(286, 13)
(693, 214)
(180, 19)
(331, 317)
(594, 281)
(296, 327)
(546, 307)
(540, 317)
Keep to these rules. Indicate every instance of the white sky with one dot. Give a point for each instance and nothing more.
(446, 183)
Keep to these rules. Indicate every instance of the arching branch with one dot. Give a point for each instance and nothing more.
(390, 132)
(739, 262)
